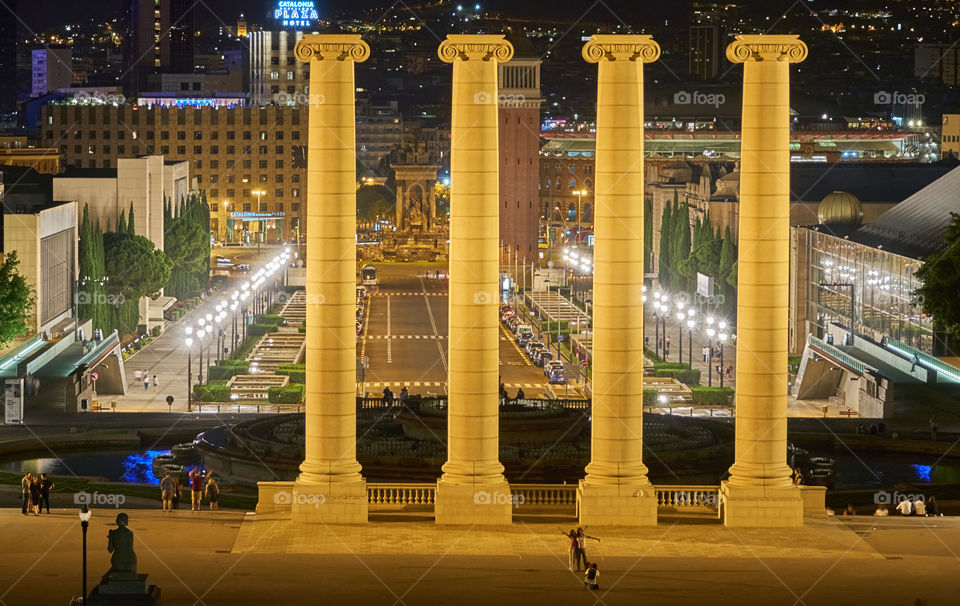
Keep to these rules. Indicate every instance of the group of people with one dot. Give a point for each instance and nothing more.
(905, 507)
(505, 396)
(143, 375)
(875, 428)
(35, 490)
(389, 397)
(578, 554)
(201, 485)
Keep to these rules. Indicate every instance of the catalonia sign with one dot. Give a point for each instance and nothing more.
(296, 13)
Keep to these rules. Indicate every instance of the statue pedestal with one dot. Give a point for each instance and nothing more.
(124, 589)
(600, 505)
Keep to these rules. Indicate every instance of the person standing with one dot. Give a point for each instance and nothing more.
(212, 493)
(706, 352)
(582, 547)
(156, 384)
(35, 495)
(168, 487)
(196, 489)
(404, 394)
(46, 485)
(25, 491)
(146, 381)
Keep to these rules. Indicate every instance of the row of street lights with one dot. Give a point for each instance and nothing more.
(213, 323)
(686, 317)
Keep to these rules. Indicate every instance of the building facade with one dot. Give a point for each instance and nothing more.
(160, 37)
(275, 74)
(52, 70)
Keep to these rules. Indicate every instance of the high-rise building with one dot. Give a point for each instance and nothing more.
(8, 56)
(705, 51)
(276, 76)
(52, 70)
(519, 133)
(160, 39)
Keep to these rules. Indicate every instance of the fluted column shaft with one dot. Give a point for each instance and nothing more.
(617, 413)
(763, 264)
(331, 260)
(473, 414)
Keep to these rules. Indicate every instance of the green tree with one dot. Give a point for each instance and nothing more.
(131, 229)
(666, 234)
(940, 275)
(647, 236)
(135, 267)
(16, 304)
(727, 274)
(681, 246)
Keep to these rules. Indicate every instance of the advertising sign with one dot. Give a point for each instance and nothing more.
(13, 401)
(296, 13)
(704, 285)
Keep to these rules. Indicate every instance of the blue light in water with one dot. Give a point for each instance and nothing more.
(139, 467)
(923, 472)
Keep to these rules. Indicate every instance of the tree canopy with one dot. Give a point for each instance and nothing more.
(16, 304)
(940, 275)
(136, 268)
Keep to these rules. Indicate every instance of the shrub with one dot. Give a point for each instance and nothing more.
(682, 374)
(292, 394)
(296, 372)
(226, 369)
(711, 396)
(212, 392)
(649, 397)
(258, 329)
(155, 331)
(274, 319)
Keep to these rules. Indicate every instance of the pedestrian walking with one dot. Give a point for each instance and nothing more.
(156, 384)
(404, 394)
(706, 352)
(729, 371)
(933, 427)
(591, 578)
(387, 396)
(581, 554)
(572, 536)
(138, 375)
(46, 485)
(25, 491)
(146, 381)
(212, 493)
(168, 488)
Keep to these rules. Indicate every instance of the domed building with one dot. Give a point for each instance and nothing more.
(840, 208)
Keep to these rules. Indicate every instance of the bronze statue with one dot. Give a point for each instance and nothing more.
(120, 544)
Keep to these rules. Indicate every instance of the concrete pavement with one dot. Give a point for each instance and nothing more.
(206, 558)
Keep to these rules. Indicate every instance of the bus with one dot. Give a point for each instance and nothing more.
(368, 275)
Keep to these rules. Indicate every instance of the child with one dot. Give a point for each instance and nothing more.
(591, 579)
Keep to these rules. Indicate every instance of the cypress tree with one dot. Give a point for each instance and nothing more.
(681, 245)
(647, 236)
(130, 226)
(664, 266)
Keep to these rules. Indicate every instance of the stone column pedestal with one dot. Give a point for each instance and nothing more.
(760, 492)
(472, 489)
(616, 490)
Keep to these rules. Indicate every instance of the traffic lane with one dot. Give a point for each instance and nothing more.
(410, 360)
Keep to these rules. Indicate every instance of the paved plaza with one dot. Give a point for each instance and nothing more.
(231, 557)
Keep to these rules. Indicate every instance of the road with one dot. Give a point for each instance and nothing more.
(405, 337)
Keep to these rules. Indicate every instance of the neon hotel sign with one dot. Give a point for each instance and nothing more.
(296, 13)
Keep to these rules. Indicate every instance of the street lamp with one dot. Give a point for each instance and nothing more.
(201, 322)
(690, 325)
(208, 330)
(721, 337)
(189, 343)
(258, 193)
(710, 332)
(579, 193)
(681, 316)
(85, 514)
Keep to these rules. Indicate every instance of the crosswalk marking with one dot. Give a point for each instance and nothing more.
(409, 293)
(425, 337)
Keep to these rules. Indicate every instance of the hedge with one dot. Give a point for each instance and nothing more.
(227, 369)
(212, 392)
(684, 375)
(296, 372)
(291, 394)
(649, 397)
(274, 319)
(711, 396)
(258, 329)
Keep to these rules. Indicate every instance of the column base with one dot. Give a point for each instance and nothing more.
(599, 505)
(328, 503)
(483, 504)
(761, 506)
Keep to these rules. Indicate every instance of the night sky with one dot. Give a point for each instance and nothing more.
(46, 13)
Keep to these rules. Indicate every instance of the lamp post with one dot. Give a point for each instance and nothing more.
(710, 332)
(664, 313)
(208, 330)
(200, 322)
(579, 193)
(85, 514)
(721, 337)
(681, 316)
(189, 342)
(258, 193)
(690, 325)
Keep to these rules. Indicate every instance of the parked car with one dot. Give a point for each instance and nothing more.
(523, 328)
(552, 366)
(542, 356)
(524, 338)
(532, 348)
(513, 322)
(556, 377)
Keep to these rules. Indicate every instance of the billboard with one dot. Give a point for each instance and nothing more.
(13, 401)
(296, 13)
(704, 285)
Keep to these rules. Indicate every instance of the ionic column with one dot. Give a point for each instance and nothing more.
(616, 490)
(760, 491)
(330, 487)
(472, 489)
